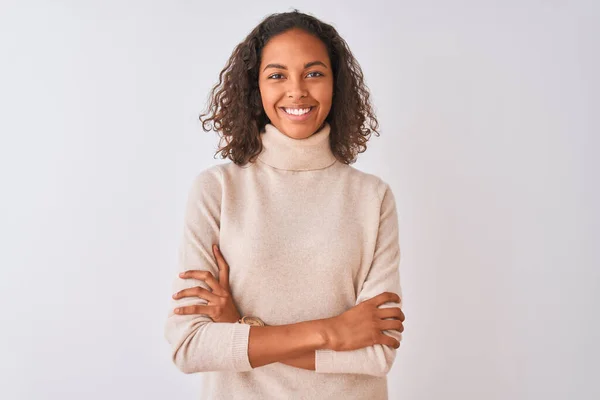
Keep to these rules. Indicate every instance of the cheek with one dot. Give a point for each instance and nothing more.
(323, 94)
(269, 97)
(325, 100)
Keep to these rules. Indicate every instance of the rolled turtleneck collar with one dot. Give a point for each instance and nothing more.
(284, 152)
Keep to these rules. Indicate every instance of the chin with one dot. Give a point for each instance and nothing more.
(298, 131)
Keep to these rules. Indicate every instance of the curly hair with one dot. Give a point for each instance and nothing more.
(235, 108)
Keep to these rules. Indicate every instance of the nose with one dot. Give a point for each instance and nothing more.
(296, 89)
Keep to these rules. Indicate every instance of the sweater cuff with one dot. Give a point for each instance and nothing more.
(324, 361)
(239, 347)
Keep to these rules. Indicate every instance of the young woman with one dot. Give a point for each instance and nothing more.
(289, 284)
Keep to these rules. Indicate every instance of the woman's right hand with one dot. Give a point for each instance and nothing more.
(362, 325)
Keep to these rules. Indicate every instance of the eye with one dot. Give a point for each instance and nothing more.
(316, 72)
(271, 76)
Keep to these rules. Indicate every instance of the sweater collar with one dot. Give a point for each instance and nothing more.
(284, 152)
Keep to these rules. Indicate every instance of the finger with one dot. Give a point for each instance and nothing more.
(391, 324)
(385, 297)
(390, 312)
(205, 276)
(198, 309)
(389, 341)
(223, 268)
(197, 292)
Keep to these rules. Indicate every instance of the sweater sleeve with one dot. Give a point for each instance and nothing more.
(198, 344)
(383, 276)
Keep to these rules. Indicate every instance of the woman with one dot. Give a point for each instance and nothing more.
(308, 250)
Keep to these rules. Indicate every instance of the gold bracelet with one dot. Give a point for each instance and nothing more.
(253, 321)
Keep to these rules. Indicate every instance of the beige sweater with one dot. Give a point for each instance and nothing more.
(306, 237)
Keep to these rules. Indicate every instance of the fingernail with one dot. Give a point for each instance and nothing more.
(177, 310)
(181, 274)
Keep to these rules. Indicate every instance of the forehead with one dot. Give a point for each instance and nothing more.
(294, 45)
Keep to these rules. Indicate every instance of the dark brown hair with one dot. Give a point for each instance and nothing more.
(235, 108)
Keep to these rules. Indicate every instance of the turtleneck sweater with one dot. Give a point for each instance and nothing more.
(306, 237)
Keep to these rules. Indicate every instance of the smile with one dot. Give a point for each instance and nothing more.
(297, 114)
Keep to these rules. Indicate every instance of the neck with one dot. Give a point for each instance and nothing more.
(284, 152)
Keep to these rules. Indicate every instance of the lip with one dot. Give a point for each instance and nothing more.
(298, 117)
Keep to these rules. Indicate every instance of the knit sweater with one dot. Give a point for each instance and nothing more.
(306, 237)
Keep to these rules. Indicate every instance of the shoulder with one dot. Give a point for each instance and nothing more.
(217, 178)
(207, 184)
(209, 176)
(369, 182)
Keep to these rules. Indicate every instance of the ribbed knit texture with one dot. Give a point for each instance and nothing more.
(306, 237)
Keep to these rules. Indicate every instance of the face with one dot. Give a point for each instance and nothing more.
(296, 83)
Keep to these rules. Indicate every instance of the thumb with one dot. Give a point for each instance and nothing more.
(223, 269)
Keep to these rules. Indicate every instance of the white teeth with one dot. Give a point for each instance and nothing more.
(297, 111)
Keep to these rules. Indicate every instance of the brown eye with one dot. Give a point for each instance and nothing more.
(315, 72)
(271, 76)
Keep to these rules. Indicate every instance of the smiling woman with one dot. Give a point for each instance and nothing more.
(294, 61)
(300, 299)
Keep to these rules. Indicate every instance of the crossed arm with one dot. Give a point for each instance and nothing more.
(305, 361)
(199, 344)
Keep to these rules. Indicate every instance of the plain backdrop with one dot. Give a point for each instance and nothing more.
(489, 139)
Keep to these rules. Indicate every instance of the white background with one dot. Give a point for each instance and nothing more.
(489, 121)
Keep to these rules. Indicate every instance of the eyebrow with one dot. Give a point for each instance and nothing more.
(307, 65)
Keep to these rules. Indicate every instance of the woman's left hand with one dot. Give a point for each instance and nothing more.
(220, 307)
